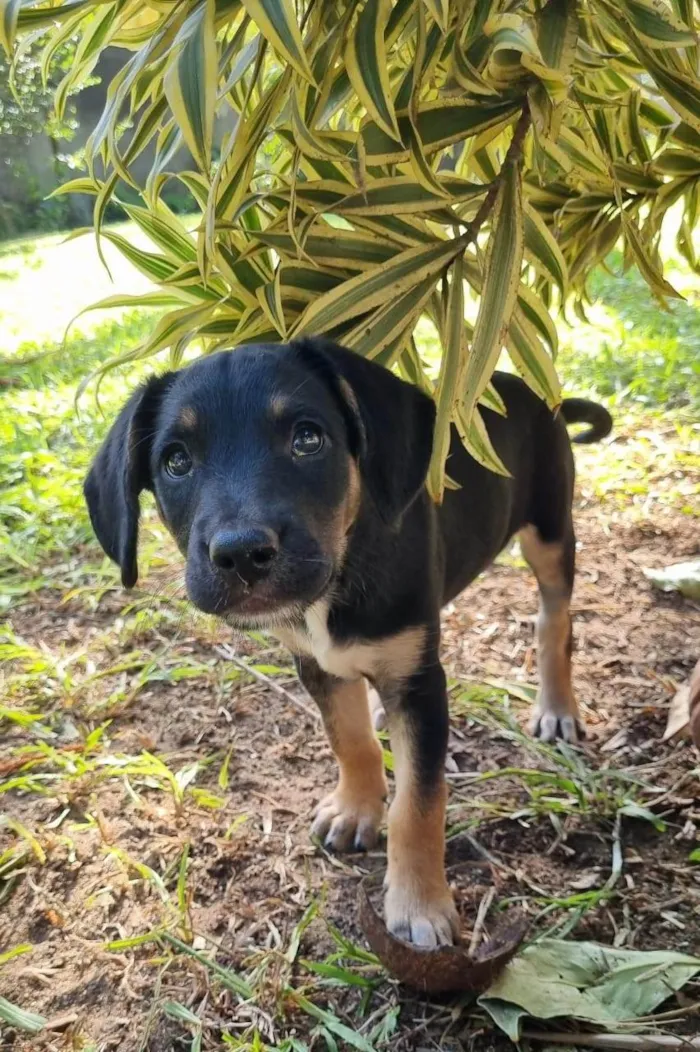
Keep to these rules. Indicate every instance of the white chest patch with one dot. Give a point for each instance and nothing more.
(313, 638)
(397, 655)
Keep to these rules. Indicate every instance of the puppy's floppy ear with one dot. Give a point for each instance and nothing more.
(392, 423)
(120, 471)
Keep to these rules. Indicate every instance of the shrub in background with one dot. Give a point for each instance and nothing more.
(387, 160)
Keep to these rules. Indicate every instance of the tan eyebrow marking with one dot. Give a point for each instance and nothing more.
(187, 418)
(349, 394)
(278, 406)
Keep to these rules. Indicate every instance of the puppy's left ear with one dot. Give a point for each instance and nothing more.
(391, 421)
(120, 471)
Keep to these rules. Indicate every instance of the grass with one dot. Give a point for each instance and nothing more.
(45, 447)
(67, 697)
(45, 282)
(632, 350)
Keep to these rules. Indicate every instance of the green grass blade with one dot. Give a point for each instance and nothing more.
(18, 1018)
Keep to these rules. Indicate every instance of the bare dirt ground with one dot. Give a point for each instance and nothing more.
(540, 826)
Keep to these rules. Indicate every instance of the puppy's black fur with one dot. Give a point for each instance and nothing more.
(274, 525)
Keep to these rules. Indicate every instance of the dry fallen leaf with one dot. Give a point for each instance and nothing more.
(678, 713)
(588, 880)
(694, 704)
(684, 710)
(681, 577)
(558, 978)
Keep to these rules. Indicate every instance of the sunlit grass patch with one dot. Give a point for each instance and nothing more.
(45, 447)
(46, 281)
(632, 350)
(652, 461)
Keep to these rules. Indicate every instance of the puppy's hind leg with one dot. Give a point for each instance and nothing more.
(556, 711)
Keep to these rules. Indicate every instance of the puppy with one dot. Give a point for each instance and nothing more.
(292, 478)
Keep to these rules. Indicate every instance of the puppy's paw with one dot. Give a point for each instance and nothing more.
(347, 821)
(425, 920)
(550, 725)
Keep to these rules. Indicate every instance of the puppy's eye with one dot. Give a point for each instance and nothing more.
(308, 439)
(177, 462)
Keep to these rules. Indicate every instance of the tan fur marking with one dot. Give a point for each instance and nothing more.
(393, 659)
(187, 418)
(344, 518)
(417, 844)
(545, 559)
(554, 660)
(349, 395)
(419, 904)
(399, 656)
(354, 811)
(555, 697)
(351, 505)
(354, 743)
(278, 406)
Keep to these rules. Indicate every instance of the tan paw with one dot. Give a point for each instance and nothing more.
(551, 724)
(346, 822)
(424, 921)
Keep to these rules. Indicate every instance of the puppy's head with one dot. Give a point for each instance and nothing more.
(260, 461)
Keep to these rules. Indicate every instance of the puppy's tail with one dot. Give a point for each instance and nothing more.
(581, 411)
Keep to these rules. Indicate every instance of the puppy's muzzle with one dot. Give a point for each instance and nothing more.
(246, 552)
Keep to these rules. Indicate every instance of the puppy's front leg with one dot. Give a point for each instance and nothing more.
(419, 906)
(350, 816)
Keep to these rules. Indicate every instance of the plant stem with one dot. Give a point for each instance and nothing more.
(619, 1042)
(513, 156)
(227, 652)
(228, 978)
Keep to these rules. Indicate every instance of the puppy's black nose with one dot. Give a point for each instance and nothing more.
(248, 552)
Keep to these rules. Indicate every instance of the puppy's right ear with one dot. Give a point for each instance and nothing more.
(120, 471)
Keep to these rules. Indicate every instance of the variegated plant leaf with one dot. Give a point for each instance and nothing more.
(191, 82)
(345, 158)
(500, 289)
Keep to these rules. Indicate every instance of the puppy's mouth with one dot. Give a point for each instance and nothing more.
(259, 608)
(267, 604)
(263, 618)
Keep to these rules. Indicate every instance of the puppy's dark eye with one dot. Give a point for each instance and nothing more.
(177, 462)
(308, 439)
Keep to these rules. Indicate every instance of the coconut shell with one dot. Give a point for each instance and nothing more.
(447, 968)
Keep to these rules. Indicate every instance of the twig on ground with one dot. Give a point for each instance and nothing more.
(618, 1042)
(227, 653)
(60, 1022)
(672, 1016)
(484, 907)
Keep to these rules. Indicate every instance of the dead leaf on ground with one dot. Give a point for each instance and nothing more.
(684, 710)
(678, 713)
(681, 577)
(694, 704)
(555, 978)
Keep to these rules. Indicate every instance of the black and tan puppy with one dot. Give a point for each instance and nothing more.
(293, 480)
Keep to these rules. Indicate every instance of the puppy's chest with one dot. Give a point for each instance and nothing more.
(344, 660)
(392, 658)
